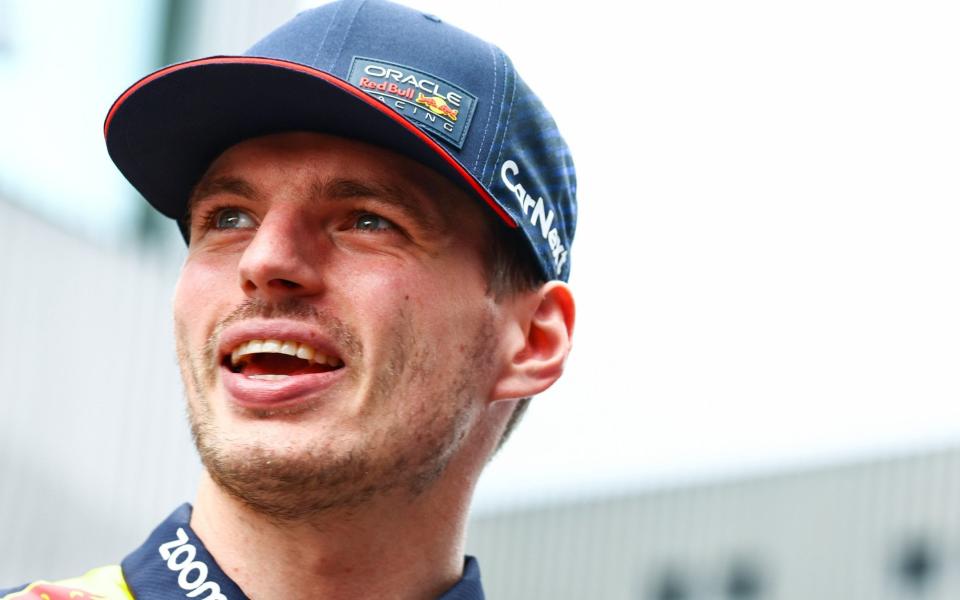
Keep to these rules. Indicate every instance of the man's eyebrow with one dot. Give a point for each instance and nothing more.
(222, 185)
(346, 189)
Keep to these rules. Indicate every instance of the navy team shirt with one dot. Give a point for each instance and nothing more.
(173, 563)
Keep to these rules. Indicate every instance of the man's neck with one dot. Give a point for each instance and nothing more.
(396, 548)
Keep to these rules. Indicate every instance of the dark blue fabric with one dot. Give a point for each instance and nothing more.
(150, 576)
(546, 171)
(468, 588)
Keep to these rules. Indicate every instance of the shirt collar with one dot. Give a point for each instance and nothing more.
(174, 558)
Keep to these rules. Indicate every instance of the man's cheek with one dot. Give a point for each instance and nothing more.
(202, 281)
(199, 291)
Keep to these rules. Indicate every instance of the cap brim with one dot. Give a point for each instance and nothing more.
(167, 128)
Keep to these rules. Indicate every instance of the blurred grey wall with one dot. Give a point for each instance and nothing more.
(880, 530)
(94, 448)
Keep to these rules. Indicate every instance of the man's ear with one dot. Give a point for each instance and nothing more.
(541, 331)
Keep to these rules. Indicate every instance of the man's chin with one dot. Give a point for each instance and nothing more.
(296, 472)
(287, 481)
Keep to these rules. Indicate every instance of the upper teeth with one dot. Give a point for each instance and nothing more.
(289, 348)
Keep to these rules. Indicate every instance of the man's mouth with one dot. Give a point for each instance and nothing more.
(273, 360)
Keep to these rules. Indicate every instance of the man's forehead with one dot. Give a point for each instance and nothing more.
(331, 167)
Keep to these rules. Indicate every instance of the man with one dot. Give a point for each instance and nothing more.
(379, 215)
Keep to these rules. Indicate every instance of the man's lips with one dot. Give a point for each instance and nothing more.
(276, 362)
(285, 392)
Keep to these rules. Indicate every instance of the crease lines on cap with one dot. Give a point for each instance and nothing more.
(492, 166)
(323, 40)
(506, 123)
(335, 20)
(486, 124)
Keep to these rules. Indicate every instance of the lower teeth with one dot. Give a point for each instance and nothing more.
(269, 377)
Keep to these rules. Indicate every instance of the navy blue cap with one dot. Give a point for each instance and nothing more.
(370, 70)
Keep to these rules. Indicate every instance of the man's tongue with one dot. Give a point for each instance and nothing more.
(279, 364)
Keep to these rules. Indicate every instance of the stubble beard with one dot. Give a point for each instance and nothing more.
(406, 457)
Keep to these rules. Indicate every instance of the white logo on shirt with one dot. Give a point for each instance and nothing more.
(183, 560)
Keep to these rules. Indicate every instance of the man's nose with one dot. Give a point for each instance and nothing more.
(283, 258)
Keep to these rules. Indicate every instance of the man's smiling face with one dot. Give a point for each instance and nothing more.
(334, 329)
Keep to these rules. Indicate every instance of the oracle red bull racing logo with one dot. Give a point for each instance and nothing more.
(438, 106)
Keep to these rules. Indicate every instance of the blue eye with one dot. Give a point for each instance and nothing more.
(372, 222)
(232, 218)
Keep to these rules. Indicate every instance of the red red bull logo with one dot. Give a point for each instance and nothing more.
(49, 591)
(437, 106)
(387, 87)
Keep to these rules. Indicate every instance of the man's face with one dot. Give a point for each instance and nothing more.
(333, 327)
